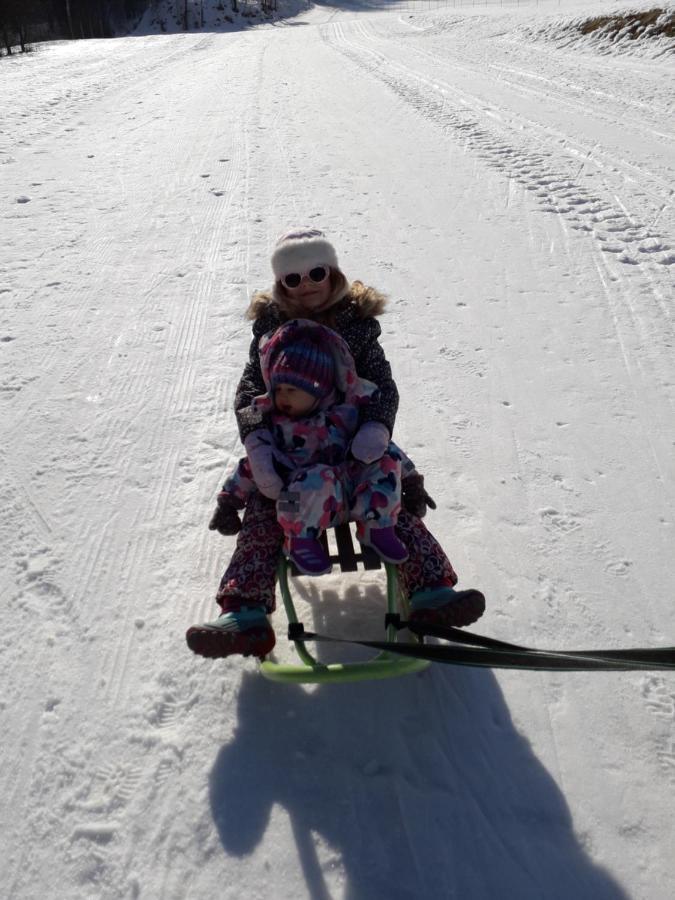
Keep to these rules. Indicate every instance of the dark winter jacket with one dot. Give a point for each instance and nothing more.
(354, 319)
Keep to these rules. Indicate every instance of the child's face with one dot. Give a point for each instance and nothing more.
(311, 296)
(293, 401)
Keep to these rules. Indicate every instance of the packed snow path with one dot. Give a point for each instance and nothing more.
(515, 200)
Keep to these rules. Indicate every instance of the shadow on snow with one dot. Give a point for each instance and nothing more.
(421, 785)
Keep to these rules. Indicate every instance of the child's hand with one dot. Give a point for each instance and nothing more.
(370, 442)
(414, 497)
(259, 450)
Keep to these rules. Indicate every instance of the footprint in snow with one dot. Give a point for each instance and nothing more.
(559, 522)
(652, 246)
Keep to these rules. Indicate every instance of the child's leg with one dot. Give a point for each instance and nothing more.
(376, 493)
(313, 501)
(376, 503)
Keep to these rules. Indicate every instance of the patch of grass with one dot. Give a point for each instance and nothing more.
(650, 23)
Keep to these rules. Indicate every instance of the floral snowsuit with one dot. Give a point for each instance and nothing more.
(250, 577)
(324, 487)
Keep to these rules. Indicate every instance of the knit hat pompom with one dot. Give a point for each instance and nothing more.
(300, 250)
(305, 365)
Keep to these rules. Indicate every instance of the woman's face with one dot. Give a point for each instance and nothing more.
(309, 295)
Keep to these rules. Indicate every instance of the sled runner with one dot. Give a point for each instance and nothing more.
(309, 670)
(398, 657)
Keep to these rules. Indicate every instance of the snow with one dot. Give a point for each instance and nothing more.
(513, 194)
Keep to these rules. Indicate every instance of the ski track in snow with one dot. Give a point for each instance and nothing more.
(553, 180)
(517, 203)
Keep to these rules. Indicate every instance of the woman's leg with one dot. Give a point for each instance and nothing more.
(250, 577)
(246, 592)
(427, 566)
(428, 579)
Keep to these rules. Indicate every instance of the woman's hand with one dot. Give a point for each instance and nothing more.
(225, 520)
(259, 451)
(414, 497)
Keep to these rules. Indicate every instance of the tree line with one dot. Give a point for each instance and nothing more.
(26, 21)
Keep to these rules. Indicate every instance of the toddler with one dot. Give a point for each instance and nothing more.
(313, 405)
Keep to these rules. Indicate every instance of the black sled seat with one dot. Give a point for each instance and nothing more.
(347, 557)
(309, 670)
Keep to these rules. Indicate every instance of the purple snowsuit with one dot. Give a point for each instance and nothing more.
(324, 486)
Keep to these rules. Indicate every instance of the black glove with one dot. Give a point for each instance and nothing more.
(225, 519)
(413, 496)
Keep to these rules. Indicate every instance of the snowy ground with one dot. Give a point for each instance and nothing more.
(515, 199)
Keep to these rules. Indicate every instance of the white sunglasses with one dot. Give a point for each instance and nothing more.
(294, 279)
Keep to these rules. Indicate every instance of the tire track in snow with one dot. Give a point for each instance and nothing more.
(82, 81)
(169, 711)
(100, 237)
(552, 181)
(659, 699)
(657, 186)
(564, 85)
(110, 545)
(565, 68)
(182, 358)
(115, 665)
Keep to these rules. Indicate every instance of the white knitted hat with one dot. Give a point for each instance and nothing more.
(300, 249)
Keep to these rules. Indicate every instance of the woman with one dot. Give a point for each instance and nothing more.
(309, 284)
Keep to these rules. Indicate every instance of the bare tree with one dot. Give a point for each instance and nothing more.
(69, 18)
(18, 19)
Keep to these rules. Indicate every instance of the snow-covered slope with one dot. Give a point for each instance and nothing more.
(514, 197)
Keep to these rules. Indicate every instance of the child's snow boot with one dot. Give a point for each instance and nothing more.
(308, 555)
(386, 544)
(242, 632)
(446, 606)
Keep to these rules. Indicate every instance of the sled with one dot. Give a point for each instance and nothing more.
(460, 648)
(309, 670)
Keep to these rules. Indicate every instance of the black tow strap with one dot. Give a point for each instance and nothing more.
(486, 652)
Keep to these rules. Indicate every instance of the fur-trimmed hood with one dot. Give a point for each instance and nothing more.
(365, 301)
(354, 318)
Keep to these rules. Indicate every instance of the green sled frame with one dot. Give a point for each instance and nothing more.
(309, 670)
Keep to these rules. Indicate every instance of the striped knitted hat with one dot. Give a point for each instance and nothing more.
(305, 365)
